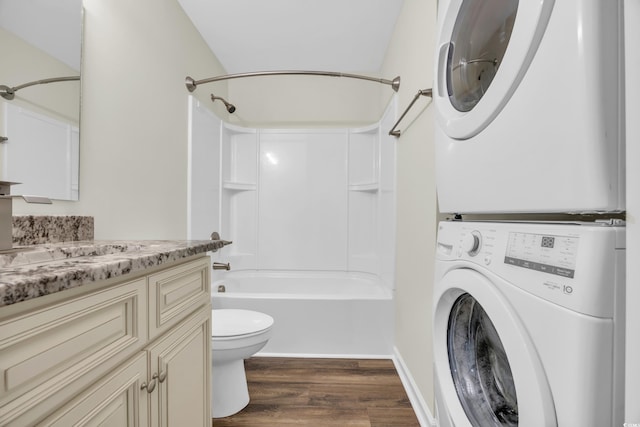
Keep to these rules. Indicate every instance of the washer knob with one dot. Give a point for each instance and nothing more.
(472, 242)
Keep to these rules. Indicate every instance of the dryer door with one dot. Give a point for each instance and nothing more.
(487, 368)
(484, 49)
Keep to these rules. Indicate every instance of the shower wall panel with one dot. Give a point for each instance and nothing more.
(204, 179)
(239, 205)
(363, 156)
(363, 200)
(387, 197)
(302, 201)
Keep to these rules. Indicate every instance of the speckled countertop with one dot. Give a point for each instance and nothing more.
(48, 268)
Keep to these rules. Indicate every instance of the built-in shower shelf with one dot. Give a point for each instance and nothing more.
(370, 187)
(239, 186)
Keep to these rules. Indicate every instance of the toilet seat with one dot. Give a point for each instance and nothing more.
(233, 323)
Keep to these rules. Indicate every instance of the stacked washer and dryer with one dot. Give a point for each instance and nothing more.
(528, 315)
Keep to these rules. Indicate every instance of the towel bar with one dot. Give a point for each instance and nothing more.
(423, 92)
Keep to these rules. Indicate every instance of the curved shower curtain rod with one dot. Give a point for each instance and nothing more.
(10, 92)
(192, 84)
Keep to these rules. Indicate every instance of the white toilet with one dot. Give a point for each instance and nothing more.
(235, 335)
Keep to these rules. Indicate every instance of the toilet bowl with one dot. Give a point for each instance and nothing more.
(235, 335)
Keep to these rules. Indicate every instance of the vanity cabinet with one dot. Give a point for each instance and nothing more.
(134, 353)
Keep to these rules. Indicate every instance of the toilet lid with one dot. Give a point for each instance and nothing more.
(232, 322)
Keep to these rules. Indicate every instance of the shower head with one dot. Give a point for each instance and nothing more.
(230, 107)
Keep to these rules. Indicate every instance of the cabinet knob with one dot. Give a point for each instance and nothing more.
(152, 384)
(162, 376)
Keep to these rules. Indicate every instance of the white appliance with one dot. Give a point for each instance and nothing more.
(528, 324)
(529, 107)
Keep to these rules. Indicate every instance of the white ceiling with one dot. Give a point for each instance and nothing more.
(324, 35)
(245, 35)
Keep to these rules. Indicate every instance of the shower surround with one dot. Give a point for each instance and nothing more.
(299, 201)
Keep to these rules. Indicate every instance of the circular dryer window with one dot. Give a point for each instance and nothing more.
(484, 49)
(479, 366)
(478, 43)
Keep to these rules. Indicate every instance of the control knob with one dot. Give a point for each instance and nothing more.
(472, 242)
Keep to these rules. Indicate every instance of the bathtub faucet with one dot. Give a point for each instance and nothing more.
(221, 266)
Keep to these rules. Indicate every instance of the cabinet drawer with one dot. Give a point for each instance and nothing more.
(177, 292)
(44, 352)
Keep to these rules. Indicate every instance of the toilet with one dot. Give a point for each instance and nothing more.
(235, 335)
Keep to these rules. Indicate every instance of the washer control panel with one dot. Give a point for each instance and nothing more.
(553, 254)
(575, 265)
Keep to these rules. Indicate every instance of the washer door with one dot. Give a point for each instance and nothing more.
(484, 50)
(488, 370)
(480, 367)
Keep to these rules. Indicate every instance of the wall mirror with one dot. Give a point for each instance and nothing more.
(40, 40)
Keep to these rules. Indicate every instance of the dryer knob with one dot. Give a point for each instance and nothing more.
(472, 242)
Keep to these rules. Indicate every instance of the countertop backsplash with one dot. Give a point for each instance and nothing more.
(36, 230)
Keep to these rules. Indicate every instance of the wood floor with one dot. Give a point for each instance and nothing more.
(322, 392)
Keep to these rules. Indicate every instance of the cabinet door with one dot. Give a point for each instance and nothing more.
(182, 361)
(116, 401)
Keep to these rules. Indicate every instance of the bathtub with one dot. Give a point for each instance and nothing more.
(322, 314)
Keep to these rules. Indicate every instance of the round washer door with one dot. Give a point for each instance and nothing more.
(488, 370)
(483, 51)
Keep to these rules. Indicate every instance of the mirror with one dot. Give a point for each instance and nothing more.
(40, 40)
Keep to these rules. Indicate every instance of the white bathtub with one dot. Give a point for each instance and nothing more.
(316, 313)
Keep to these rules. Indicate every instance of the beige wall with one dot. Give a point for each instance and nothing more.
(410, 55)
(307, 101)
(133, 149)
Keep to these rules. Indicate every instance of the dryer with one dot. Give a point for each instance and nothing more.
(528, 324)
(529, 106)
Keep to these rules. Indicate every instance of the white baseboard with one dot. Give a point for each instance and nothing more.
(420, 407)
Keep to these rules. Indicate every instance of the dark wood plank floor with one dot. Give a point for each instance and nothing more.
(323, 392)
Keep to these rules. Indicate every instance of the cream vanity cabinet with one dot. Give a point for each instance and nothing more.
(133, 353)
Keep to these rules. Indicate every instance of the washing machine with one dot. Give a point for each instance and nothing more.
(528, 324)
(529, 106)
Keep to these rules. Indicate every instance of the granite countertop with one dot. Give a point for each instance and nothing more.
(48, 268)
